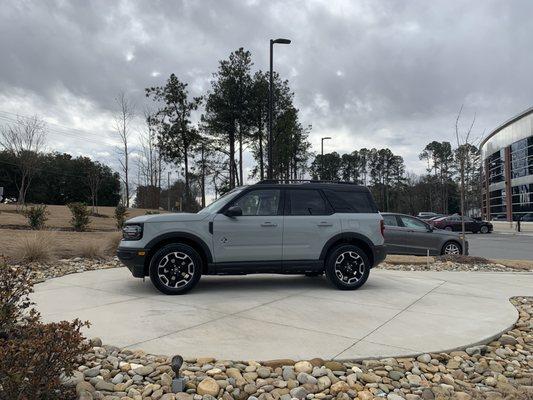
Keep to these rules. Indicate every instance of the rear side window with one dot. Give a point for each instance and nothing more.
(390, 220)
(307, 202)
(351, 201)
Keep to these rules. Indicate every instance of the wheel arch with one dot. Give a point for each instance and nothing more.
(179, 237)
(354, 238)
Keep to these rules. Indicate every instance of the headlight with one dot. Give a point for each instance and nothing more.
(132, 232)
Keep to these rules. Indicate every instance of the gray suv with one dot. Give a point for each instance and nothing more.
(308, 227)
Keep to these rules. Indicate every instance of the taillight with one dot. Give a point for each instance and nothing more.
(382, 227)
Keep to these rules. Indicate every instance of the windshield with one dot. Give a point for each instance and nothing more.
(218, 203)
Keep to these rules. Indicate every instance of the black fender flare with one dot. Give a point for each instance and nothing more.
(181, 235)
(346, 237)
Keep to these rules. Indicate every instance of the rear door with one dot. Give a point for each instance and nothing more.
(309, 223)
(395, 235)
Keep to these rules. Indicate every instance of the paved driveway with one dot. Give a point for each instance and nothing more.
(266, 316)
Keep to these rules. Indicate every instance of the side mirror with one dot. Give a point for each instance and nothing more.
(233, 211)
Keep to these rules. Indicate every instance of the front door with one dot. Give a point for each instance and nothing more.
(256, 236)
(419, 237)
(309, 224)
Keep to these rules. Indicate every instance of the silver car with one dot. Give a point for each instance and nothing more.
(409, 235)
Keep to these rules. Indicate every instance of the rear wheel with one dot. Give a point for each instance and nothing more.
(452, 248)
(175, 268)
(347, 267)
(484, 229)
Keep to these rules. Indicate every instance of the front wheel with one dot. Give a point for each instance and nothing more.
(175, 268)
(347, 267)
(484, 229)
(453, 248)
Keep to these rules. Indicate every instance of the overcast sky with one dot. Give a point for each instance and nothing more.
(368, 73)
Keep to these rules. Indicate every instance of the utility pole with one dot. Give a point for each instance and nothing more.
(322, 155)
(168, 191)
(271, 103)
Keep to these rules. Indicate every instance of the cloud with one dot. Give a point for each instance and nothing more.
(368, 73)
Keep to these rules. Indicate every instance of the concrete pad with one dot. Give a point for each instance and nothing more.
(272, 316)
(357, 320)
(139, 320)
(244, 339)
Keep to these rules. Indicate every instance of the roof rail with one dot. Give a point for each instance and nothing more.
(281, 181)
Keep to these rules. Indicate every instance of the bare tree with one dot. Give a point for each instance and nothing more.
(94, 178)
(125, 113)
(150, 162)
(25, 139)
(462, 154)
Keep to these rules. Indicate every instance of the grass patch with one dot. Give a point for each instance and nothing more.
(36, 247)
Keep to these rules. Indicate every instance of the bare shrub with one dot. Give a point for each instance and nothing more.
(33, 354)
(112, 244)
(93, 249)
(35, 247)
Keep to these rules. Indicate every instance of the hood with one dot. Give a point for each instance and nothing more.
(170, 217)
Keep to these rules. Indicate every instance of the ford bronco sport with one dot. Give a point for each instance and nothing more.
(303, 227)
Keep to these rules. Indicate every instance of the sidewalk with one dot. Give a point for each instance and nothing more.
(526, 228)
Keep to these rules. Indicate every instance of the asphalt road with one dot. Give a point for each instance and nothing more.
(501, 246)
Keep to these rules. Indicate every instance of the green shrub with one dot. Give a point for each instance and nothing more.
(121, 213)
(33, 355)
(37, 216)
(80, 216)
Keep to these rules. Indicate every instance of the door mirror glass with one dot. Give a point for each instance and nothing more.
(233, 211)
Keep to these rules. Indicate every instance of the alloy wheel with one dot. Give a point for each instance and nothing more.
(452, 248)
(175, 269)
(349, 267)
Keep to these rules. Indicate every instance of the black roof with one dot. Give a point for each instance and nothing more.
(312, 184)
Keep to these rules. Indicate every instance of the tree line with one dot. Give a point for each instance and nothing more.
(396, 190)
(58, 178)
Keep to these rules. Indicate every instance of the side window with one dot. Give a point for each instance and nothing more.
(306, 202)
(390, 220)
(259, 203)
(344, 201)
(414, 223)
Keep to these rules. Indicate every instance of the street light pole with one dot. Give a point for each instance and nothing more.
(271, 102)
(322, 154)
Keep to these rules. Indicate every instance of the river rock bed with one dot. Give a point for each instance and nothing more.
(57, 268)
(502, 369)
(449, 266)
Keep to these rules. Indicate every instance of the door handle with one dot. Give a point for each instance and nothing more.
(324, 223)
(267, 224)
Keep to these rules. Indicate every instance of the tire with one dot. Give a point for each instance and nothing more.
(452, 247)
(347, 279)
(484, 229)
(448, 228)
(189, 268)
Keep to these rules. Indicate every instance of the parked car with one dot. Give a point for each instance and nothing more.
(409, 235)
(305, 228)
(500, 217)
(427, 215)
(453, 223)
